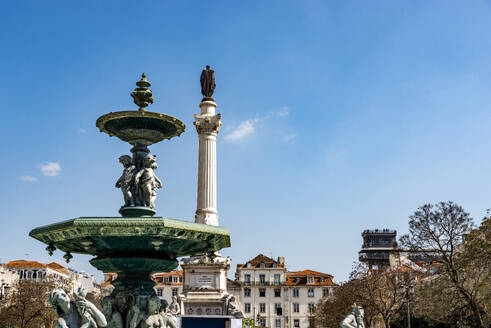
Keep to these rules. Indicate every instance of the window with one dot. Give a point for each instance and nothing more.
(247, 278)
(276, 279)
(277, 292)
(310, 280)
(262, 307)
(247, 292)
(34, 275)
(166, 279)
(277, 309)
(322, 279)
(262, 292)
(29, 274)
(297, 280)
(262, 323)
(295, 292)
(247, 307)
(311, 292)
(311, 307)
(277, 323)
(296, 323)
(248, 265)
(174, 291)
(296, 307)
(159, 292)
(261, 265)
(262, 279)
(325, 292)
(175, 279)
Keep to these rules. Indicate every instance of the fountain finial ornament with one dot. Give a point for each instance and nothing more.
(207, 80)
(142, 96)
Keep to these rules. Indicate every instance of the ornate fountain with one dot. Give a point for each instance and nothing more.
(138, 243)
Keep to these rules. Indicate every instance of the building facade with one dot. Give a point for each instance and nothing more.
(276, 298)
(7, 280)
(36, 271)
(168, 284)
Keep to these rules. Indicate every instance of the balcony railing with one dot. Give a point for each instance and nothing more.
(373, 256)
(261, 283)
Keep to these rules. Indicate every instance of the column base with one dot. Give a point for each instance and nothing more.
(206, 217)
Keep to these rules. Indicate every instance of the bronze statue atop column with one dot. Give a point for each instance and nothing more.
(207, 82)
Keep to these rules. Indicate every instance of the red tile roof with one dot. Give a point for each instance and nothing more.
(25, 264)
(299, 278)
(168, 274)
(159, 277)
(108, 278)
(255, 262)
(57, 267)
(309, 273)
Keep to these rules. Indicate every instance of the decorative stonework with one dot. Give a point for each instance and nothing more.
(142, 96)
(206, 124)
(206, 259)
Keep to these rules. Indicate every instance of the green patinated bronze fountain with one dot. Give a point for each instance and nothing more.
(137, 244)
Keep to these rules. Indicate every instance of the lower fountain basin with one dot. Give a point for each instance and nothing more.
(146, 237)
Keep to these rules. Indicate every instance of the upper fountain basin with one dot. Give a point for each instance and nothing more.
(140, 127)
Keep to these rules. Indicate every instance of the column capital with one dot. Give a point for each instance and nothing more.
(207, 124)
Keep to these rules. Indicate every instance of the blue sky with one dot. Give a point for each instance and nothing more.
(338, 116)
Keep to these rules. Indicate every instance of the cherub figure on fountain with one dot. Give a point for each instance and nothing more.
(354, 319)
(75, 314)
(113, 317)
(147, 181)
(79, 295)
(149, 319)
(126, 181)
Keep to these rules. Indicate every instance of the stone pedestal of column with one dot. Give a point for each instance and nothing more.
(207, 125)
(204, 286)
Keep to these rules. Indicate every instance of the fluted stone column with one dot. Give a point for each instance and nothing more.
(207, 125)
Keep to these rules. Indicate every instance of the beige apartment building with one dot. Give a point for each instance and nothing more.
(276, 298)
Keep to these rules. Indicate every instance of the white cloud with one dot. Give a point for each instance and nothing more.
(50, 169)
(290, 137)
(81, 130)
(285, 111)
(28, 178)
(248, 126)
(244, 129)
